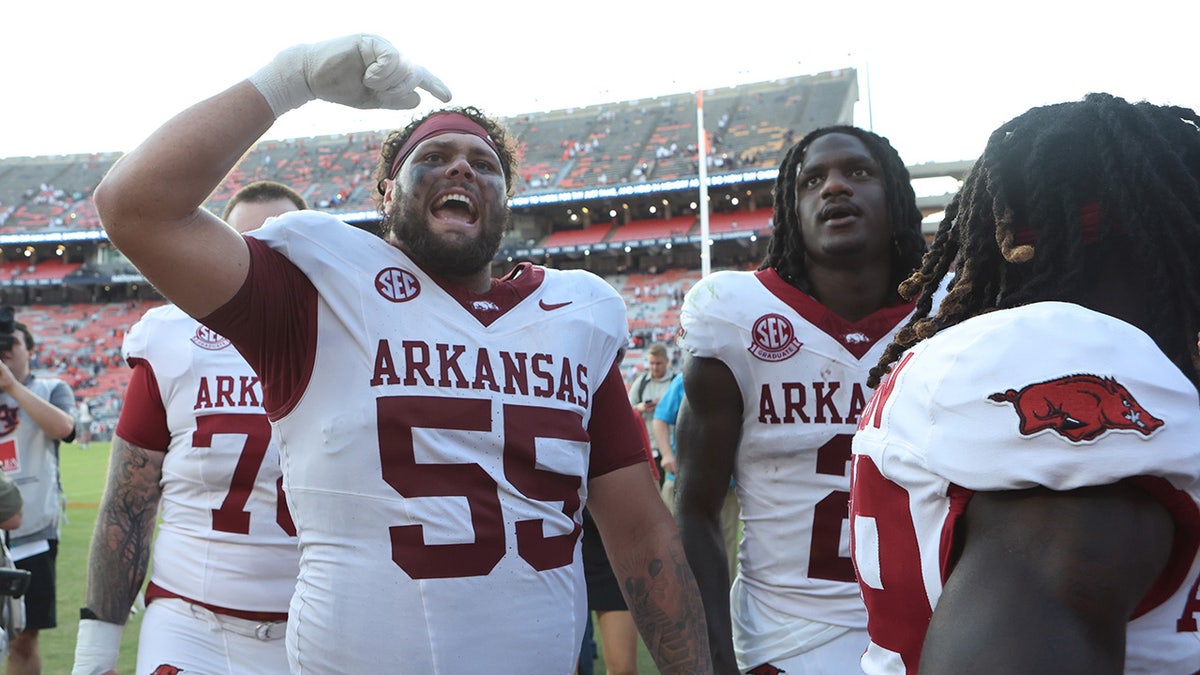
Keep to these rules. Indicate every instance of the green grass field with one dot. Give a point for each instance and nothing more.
(83, 476)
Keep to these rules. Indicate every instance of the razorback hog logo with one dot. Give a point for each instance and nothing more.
(1078, 407)
(166, 669)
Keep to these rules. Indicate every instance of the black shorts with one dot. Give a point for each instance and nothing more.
(41, 597)
(603, 591)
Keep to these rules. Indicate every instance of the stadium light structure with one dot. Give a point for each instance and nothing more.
(702, 138)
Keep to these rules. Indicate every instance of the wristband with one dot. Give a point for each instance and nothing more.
(97, 647)
(283, 81)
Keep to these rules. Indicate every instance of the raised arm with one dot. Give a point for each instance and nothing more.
(120, 553)
(1047, 581)
(648, 561)
(150, 202)
(706, 438)
(51, 419)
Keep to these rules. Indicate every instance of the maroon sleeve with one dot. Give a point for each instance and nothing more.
(143, 420)
(616, 441)
(272, 320)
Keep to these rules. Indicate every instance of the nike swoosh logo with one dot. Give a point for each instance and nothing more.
(550, 308)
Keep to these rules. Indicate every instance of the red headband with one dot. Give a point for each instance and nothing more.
(435, 125)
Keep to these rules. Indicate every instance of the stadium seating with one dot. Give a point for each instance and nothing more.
(608, 144)
(81, 344)
(589, 235)
(49, 270)
(757, 221)
(654, 228)
(652, 303)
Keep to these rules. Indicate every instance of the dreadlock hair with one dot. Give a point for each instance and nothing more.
(786, 252)
(396, 139)
(1055, 188)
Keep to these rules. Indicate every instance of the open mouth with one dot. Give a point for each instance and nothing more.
(835, 212)
(455, 207)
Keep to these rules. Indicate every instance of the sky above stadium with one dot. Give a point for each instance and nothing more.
(935, 77)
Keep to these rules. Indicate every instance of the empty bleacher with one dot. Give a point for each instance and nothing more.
(49, 270)
(757, 221)
(652, 302)
(81, 344)
(593, 234)
(654, 228)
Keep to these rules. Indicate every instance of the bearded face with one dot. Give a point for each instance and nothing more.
(447, 206)
(448, 253)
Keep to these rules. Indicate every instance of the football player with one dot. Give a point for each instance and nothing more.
(439, 429)
(193, 439)
(1026, 490)
(776, 383)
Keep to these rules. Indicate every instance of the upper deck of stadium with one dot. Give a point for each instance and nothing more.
(607, 164)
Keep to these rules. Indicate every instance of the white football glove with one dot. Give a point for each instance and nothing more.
(97, 647)
(360, 71)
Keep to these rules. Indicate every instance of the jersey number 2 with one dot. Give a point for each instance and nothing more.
(825, 559)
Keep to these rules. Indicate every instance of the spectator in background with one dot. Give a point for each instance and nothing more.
(645, 390)
(38, 413)
(193, 433)
(380, 452)
(662, 427)
(775, 384)
(1027, 478)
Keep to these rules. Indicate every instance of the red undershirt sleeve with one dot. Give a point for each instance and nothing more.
(272, 321)
(616, 441)
(143, 420)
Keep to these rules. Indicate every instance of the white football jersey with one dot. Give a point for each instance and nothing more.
(436, 463)
(225, 536)
(801, 370)
(1050, 394)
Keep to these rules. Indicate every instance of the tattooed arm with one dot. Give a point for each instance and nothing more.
(119, 556)
(120, 551)
(648, 561)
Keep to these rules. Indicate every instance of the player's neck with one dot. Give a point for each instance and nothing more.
(852, 293)
(476, 282)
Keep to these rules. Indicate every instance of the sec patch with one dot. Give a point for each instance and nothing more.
(773, 338)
